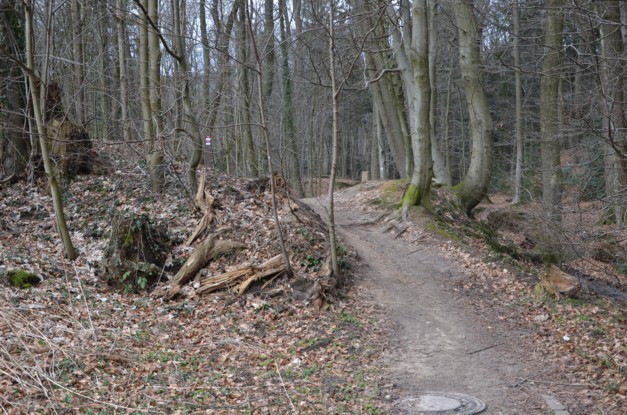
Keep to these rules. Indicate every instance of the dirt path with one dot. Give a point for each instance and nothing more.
(440, 344)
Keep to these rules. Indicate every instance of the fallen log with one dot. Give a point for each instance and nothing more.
(205, 252)
(240, 279)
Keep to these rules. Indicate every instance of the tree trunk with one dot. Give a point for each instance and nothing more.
(449, 93)
(549, 118)
(288, 103)
(612, 76)
(414, 62)
(259, 64)
(387, 91)
(103, 63)
(188, 110)
(441, 174)
(122, 40)
(14, 142)
(334, 134)
(223, 38)
(518, 177)
(145, 84)
(243, 87)
(269, 55)
(37, 87)
(77, 56)
(474, 186)
(206, 52)
(156, 159)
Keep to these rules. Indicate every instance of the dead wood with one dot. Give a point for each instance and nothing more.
(306, 290)
(308, 216)
(243, 277)
(400, 232)
(203, 202)
(7, 179)
(205, 252)
(136, 253)
(559, 282)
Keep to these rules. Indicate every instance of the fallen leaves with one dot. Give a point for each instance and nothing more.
(73, 343)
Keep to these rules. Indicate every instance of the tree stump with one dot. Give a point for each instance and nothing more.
(136, 253)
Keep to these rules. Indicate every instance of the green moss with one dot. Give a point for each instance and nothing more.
(392, 191)
(540, 292)
(395, 186)
(442, 230)
(129, 239)
(412, 195)
(22, 279)
(343, 185)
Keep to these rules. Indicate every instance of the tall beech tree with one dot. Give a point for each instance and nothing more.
(412, 51)
(613, 95)
(384, 80)
(518, 175)
(441, 173)
(14, 143)
(474, 186)
(549, 110)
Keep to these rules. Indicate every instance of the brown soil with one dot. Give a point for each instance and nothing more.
(441, 342)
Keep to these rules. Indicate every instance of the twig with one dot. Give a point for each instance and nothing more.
(284, 389)
(80, 286)
(112, 405)
(485, 348)
(523, 380)
(7, 402)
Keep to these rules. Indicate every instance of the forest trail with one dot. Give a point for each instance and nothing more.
(440, 344)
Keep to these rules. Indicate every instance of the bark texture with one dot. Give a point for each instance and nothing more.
(613, 73)
(384, 82)
(415, 64)
(549, 110)
(474, 186)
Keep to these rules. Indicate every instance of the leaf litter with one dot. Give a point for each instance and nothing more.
(584, 338)
(74, 343)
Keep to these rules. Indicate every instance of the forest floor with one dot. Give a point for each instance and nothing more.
(471, 321)
(419, 313)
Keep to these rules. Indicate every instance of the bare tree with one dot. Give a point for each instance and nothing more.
(180, 54)
(441, 173)
(334, 142)
(412, 50)
(259, 61)
(473, 188)
(384, 81)
(615, 126)
(549, 100)
(518, 178)
(37, 87)
(123, 62)
(289, 118)
(14, 142)
(156, 157)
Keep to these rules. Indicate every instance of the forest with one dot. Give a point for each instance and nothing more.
(500, 116)
(518, 97)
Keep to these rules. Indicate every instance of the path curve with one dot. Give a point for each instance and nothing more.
(440, 345)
